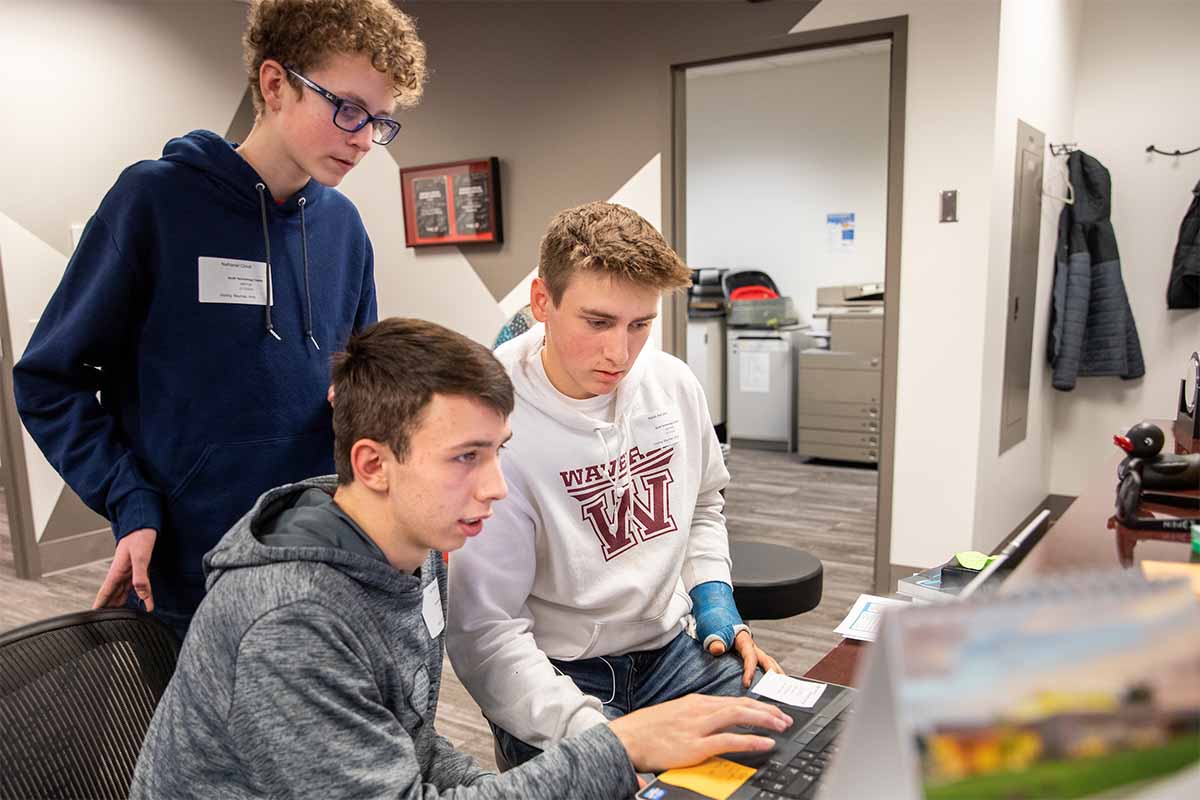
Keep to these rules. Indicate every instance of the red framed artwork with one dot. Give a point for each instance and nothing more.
(452, 203)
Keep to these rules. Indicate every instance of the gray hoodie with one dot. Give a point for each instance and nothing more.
(309, 670)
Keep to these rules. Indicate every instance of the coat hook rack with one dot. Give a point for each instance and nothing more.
(1063, 149)
(1153, 149)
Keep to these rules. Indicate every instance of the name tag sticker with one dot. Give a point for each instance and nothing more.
(431, 609)
(233, 280)
(656, 429)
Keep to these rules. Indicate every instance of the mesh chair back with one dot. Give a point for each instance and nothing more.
(76, 696)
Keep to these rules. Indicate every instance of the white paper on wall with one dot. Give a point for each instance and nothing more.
(841, 231)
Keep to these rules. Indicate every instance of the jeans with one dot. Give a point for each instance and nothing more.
(639, 679)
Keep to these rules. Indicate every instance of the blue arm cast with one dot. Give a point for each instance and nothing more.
(717, 617)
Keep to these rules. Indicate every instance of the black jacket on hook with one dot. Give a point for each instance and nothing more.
(1092, 331)
(1183, 289)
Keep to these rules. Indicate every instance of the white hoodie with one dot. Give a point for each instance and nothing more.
(606, 527)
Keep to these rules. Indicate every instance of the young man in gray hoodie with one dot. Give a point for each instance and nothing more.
(313, 666)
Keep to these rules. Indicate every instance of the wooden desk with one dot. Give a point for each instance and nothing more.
(1086, 537)
(839, 664)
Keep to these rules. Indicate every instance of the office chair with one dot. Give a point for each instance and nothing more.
(76, 696)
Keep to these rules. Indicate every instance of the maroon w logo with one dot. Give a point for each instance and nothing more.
(644, 510)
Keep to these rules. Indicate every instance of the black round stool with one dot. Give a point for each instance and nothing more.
(771, 581)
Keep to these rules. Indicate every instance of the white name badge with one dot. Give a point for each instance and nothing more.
(431, 609)
(656, 429)
(232, 280)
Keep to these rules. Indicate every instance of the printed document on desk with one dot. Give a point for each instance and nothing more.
(863, 620)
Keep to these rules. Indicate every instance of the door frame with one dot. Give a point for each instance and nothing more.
(674, 194)
(27, 561)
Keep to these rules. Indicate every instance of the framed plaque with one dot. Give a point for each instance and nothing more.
(453, 203)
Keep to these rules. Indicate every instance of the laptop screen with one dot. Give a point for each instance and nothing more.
(1007, 559)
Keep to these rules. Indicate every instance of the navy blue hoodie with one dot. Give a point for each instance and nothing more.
(203, 406)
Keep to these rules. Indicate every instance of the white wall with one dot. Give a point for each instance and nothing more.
(771, 152)
(1136, 87)
(31, 273)
(1038, 55)
(1112, 75)
(949, 137)
(107, 84)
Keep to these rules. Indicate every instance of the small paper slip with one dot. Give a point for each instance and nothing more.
(431, 609)
(793, 691)
(1165, 570)
(716, 778)
(863, 620)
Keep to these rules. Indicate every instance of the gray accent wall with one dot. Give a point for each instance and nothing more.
(571, 96)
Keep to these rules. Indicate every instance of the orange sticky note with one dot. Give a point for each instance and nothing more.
(716, 778)
(1162, 570)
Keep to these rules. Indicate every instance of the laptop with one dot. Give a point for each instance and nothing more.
(1007, 559)
(793, 769)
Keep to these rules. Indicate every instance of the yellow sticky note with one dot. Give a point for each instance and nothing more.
(973, 559)
(1162, 570)
(716, 778)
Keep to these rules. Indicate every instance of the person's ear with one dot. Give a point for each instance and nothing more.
(273, 82)
(540, 300)
(368, 459)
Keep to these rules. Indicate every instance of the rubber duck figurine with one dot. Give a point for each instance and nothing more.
(1144, 440)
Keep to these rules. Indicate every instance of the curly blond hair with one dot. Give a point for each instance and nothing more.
(609, 239)
(300, 33)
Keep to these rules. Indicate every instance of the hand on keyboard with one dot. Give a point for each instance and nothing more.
(686, 731)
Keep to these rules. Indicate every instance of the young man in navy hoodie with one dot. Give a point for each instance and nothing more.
(181, 367)
(314, 664)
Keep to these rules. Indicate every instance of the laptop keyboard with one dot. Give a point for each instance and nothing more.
(797, 778)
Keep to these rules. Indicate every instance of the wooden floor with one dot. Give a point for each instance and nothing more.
(28, 601)
(827, 510)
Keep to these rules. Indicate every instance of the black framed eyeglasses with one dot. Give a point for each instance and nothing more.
(351, 117)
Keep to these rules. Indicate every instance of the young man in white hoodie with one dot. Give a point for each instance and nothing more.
(575, 608)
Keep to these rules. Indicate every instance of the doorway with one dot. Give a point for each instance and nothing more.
(829, 247)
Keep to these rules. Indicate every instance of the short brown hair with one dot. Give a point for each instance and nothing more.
(388, 374)
(299, 34)
(611, 239)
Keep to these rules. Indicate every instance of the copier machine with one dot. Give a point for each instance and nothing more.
(838, 403)
(762, 339)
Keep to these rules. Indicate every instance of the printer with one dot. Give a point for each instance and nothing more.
(839, 388)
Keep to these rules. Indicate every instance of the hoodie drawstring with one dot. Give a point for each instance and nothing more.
(262, 207)
(308, 324)
(308, 331)
(614, 475)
